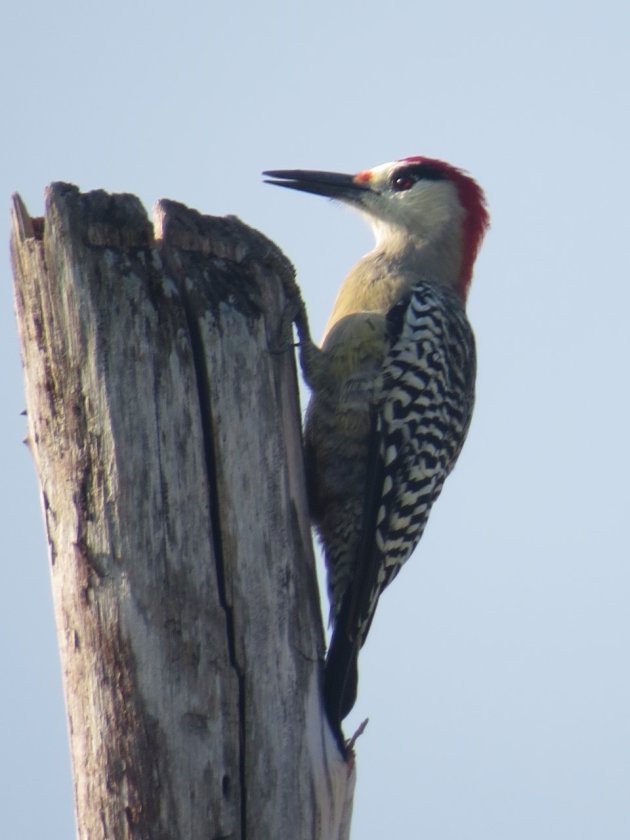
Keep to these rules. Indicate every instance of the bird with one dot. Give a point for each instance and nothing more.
(393, 386)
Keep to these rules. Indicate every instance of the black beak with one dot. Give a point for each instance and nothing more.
(330, 184)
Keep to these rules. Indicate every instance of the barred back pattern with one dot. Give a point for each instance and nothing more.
(392, 401)
(424, 407)
(383, 431)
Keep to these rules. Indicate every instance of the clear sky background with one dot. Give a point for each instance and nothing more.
(496, 675)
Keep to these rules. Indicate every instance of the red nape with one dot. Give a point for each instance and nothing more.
(477, 219)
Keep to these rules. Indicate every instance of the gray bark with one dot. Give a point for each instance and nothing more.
(166, 436)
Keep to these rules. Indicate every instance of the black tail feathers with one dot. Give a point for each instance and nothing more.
(341, 679)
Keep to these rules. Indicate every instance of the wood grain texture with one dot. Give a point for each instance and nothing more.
(166, 436)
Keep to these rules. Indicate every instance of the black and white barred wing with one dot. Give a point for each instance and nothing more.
(420, 424)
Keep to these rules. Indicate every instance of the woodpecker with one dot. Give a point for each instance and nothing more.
(392, 386)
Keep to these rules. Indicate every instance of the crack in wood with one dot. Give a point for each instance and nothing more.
(205, 407)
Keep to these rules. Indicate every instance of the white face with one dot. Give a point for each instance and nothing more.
(426, 208)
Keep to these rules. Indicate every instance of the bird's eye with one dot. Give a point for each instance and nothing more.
(405, 177)
(402, 181)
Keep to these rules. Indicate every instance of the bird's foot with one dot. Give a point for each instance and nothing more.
(284, 339)
(295, 314)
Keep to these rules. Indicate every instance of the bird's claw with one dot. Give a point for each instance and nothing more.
(294, 313)
(284, 340)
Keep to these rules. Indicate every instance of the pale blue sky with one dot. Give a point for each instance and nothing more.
(496, 676)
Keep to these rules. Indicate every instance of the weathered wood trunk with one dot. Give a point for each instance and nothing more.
(167, 441)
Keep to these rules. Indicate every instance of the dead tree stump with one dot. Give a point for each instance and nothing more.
(166, 437)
